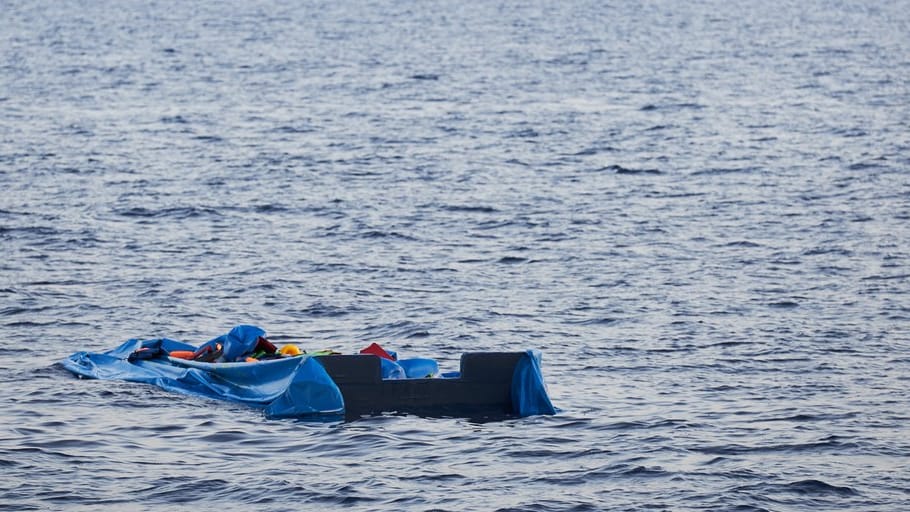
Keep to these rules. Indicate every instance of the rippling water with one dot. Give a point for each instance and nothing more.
(698, 211)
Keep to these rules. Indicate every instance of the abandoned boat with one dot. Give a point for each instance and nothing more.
(243, 366)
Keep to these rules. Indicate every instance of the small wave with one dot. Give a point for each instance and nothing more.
(809, 487)
(525, 133)
(720, 171)
(469, 208)
(180, 212)
(17, 310)
(784, 304)
(515, 161)
(403, 329)
(735, 449)
(512, 260)
(748, 508)
(321, 310)
(230, 437)
(270, 208)
(293, 129)
(594, 150)
(41, 231)
(648, 425)
(879, 277)
(818, 487)
(863, 166)
(594, 321)
(820, 251)
(625, 470)
(742, 243)
(618, 169)
(806, 418)
(208, 138)
(651, 107)
(387, 234)
(177, 119)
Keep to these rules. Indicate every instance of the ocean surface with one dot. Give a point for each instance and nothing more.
(698, 211)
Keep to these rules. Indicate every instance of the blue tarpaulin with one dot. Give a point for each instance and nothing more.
(292, 386)
(529, 393)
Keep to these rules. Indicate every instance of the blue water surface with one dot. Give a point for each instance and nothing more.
(698, 211)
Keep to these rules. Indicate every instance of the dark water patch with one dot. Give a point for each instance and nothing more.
(319, 309)
(175, 490)
(57, 444)
(175, 119)
(43, 453)
(671, 107)
(829, 445)
(864, 166)
(784, 304)
(154, 429)
(623, 471)
(595, 150)
(490, 225)
(851, 132)
(378, 234)
(811, 488)
(16, 310)
(269, 208)
(730, 343)
(618, 169)
(656, 423)
(516, 161)
(230, 437)
(402, 329)
(293, 129)
(803, 417)
(212, 139)
(742, 243)
(524, 133)
(823, 250)
(512, 260)
(818, 487)
(180, 212)
(37, 231)
(878, 277)
(469, 209)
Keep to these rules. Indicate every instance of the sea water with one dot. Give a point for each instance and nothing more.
(698, 212)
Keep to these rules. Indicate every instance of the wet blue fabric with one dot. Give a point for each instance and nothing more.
(391, 369)
(294, 386)
(414, 368)
(419, 368)
(311, 393)
(239, 341)
(529, 393)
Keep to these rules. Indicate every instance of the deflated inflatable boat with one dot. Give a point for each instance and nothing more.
(243, 366)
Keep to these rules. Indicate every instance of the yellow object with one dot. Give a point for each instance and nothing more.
(290, 350)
